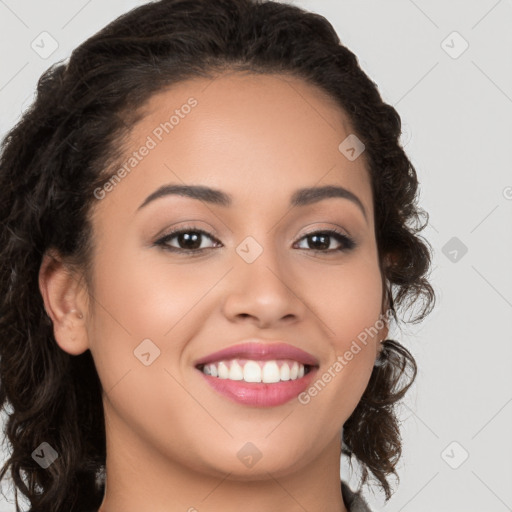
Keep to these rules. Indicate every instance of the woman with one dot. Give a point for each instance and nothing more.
(207, 223)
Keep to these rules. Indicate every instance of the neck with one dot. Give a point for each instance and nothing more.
(139, 477)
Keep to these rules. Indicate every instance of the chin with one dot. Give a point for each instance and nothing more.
(253, 461)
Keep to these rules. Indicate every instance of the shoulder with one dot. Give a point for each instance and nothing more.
(353, 500)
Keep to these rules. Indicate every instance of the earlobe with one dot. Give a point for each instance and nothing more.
(64, 303)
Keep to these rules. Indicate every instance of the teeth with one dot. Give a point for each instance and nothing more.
(236, 372)
(294, 371)
(252, 372)
(255, 371)
(223, 370)
(271, 372)
(285, 372)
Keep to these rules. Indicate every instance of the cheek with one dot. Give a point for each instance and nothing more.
(144, 294)
(137, 297)
(347, 298)
(348, 301)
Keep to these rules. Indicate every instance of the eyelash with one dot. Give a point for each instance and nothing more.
(347, 242)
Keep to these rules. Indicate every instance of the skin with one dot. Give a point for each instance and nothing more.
(172, 441)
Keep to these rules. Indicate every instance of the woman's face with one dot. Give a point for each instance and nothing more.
(156, 310)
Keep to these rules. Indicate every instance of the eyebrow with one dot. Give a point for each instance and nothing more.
(301, 197)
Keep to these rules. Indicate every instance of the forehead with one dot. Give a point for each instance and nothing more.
(251, 135)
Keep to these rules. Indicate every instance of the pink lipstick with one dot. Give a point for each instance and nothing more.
(259, 374)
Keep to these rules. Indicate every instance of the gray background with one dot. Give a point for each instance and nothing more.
(456, 110)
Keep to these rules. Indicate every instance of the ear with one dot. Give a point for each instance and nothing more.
(65, 301)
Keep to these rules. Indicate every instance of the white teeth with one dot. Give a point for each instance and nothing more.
(255, 371)
(270, 372)
(294, 371)
(223, 370)
(252, 372)
(285, 372)
(236, 372)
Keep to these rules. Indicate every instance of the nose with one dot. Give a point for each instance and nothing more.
(263, 292)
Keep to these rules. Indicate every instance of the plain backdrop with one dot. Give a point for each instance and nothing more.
(446, 67)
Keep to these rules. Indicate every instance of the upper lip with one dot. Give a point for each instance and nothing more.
(260, 350)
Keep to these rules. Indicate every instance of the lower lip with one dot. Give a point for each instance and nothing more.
(260, 394)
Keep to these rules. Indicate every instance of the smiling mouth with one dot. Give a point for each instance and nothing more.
(248, 370)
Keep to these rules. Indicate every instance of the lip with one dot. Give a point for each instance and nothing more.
(260, 350)
(260, 394)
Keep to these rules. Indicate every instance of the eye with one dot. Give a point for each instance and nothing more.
(189, 237)
(188, 241)
(321, 241)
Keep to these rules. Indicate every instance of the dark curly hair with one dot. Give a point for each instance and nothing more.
(67, 144)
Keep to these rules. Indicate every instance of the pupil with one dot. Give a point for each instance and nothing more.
(324, 245)
(187, 238)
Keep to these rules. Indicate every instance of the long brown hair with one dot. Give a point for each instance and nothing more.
(66, 145)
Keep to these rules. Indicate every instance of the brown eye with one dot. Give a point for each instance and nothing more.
(188, 240)
(321, 241)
